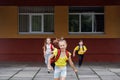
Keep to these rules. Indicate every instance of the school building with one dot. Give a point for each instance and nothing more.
(24, 25)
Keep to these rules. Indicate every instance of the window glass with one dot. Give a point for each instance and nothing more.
(74, 23)
(23, 23)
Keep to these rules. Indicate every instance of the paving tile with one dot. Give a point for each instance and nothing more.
(116, 70)
(105, 73)
(4, 77)
(21, 78)
(35, 72)
(115, 77)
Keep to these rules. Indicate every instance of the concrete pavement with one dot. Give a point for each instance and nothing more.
(37, 71)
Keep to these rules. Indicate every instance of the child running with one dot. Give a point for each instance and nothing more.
(60, 71)
(80, 50)
(47, 50)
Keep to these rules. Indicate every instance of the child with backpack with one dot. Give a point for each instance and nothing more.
(80, 51)
(61, 56)
(47, 50)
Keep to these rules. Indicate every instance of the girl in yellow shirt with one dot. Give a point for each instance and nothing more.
(81, 49)
(60, 65)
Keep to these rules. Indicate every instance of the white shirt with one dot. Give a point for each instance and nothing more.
(48, 48)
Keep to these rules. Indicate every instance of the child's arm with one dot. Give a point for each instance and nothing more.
(85, 49)
(53, 47)
(75, 49)
(71, 64)
(44, 50)
(74, 53)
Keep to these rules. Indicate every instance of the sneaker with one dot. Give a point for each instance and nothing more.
(48, 71)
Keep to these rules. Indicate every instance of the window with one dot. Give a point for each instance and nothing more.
(36, 19)
(86, 19)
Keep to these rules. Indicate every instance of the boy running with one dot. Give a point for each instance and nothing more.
(80, 51)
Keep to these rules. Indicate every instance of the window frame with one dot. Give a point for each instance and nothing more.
(30, 23)
(91, 13)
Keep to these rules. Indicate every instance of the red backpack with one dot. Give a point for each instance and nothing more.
(54, 59)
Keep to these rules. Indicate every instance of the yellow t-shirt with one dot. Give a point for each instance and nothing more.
(61, 62)
(82, 49)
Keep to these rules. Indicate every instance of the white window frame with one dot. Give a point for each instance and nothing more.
(30, 23)
(93, 32)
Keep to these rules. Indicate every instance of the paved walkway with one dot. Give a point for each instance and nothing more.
(28, 71)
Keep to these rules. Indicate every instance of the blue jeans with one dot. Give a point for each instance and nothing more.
(46, 58)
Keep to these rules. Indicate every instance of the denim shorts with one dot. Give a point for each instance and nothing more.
(60, 72)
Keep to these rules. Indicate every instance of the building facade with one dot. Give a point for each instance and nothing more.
(21, 43)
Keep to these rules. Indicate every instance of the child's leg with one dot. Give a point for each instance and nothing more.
(80, 60)
(82, 56)
(63, 73)
(60, 73)
(57, 73)
(47, 56)
(46, 59)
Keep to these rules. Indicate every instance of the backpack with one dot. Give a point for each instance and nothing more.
(54, 59)
(76, 52)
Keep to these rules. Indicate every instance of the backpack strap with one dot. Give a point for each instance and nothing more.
(83, 47)
(78, 47)
(67, 54)
(51, 47)
(58, 55)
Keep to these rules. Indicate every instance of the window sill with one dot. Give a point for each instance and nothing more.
(87, 33)
(36, 32)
